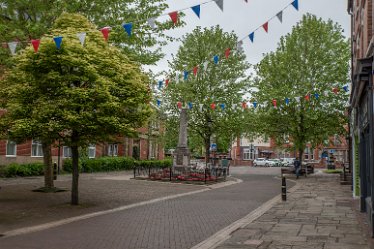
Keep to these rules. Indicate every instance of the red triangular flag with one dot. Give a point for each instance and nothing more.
(335, 90)
(35, 44)
(174, 16)
(195, 70)
(307, 97)
(105, 32)
(166, 82)
(244, 105)
(266, 26)
(274, 102)
(213, 106)
(227, 53)
(179, 105)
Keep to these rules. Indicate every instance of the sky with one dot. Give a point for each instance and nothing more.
(243, 18)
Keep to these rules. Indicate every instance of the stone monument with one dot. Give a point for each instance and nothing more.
(182, 153)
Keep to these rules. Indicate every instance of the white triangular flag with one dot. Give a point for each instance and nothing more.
(205, 66)
(239, 46)
(201, 107)
(151, 22)
(280, 16)
(219, 4)
(177, 77)
(12, 47)
(297, 99)
(82, 37)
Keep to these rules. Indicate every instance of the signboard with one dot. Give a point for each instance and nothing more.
(213, 147)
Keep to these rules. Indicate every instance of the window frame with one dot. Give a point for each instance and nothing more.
(111, 150)
(63, 152)
(37, 143)
(90, 147)
(6, 149)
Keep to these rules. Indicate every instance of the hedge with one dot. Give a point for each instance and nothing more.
(29, 169)
(114, 163)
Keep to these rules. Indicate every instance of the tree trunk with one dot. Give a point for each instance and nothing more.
(301, 154)
(48, 168)
(75, 164)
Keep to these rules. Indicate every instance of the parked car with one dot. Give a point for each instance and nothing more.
(276, 162)
(287, 162)
(263, 162)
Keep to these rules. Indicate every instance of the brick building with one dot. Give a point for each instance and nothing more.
(361, 110)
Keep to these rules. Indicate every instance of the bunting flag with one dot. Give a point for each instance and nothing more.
(222, 106)
(35, 44)
(213, 106)
(326, 93)
(12, 47)
(297, 99)
(316, 95)
(179, 104)
(195, 70)
(233, 106)
(280, 16)
(128, 28)
(307, 97)
(160, 83)
(239, 46)
(158, 102)
(201, 107)
(219, 3)
(345, 88)
(166, 82)
(254, 104)
(266, 26)
(58, 41)
(274, 103)
(227, 53)
(186, 75)
(205, 65)
(105, 32)
(287, 100)
(335, 90)
(196, 10)
(174, 16)
(244, 105)
(177, 77)
(82, 37)
(216, 58)
(152, 22)
(252, 36)
(295, 4)
(190, 105)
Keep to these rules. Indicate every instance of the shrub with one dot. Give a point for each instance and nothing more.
(29, 169)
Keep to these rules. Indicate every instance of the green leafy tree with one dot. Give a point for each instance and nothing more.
(79, 94)
(220, 83)
(309, 68)
(25, 20)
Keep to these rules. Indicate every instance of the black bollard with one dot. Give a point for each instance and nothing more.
(55, 171)
(284, 189)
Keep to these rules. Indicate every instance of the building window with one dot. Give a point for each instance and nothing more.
(36, 148)
(246, 154)
(92, 151)
(112, 149)
(66, 151)
(11, 148)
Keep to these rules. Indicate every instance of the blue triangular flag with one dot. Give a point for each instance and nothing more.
(316, 95)
(252, 36)
(196, 9)
(190, 105)
(295, 4)
(222, 106)
(185, 75)
(254, 104)
(345, 88)
(160, 83)
(158, 102)
(58, 41)
(216, 58)
(287, 101)
(128, 28)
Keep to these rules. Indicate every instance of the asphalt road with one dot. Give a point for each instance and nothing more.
(177, 223)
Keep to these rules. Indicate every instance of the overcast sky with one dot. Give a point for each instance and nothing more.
(243, 18)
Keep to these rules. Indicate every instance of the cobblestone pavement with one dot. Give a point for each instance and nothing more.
(176, 223)
(319, 214)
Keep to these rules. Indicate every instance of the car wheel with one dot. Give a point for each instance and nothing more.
(266, 165)
(255, 165)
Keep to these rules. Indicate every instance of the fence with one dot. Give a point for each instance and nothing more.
(186, 174)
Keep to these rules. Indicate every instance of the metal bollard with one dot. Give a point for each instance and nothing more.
(284, 189)
(55, 171)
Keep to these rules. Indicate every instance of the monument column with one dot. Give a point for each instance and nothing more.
(182, 153)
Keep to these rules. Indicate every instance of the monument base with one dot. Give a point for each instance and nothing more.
(181, 157)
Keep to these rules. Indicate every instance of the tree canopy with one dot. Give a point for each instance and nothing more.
(220, 84)
(306, 77)
(78, 94)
